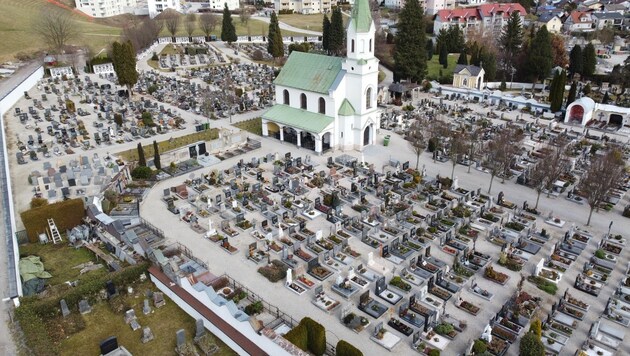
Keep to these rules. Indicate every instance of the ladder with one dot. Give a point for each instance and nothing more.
(54, 234)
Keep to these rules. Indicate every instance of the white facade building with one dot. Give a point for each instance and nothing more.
(488, 18)
(218, 5)
(157, 6)
(325, 102)
(305, 6)
(105, 8)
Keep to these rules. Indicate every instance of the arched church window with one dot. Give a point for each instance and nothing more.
(368, 98)
(352, 46)
(303, 101)
(286, 97)
(322, 106)
(370, 49)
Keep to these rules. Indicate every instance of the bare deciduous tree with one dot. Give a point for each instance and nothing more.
(56, 27)
(417, 140)
(142, 34)
(207, 23)
(501, 151)
(244, 15)
(171, 20)
(549, 168)
(458, 146)
(603, 174)
(191, 24)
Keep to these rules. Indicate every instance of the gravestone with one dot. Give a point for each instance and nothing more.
(147, 335)
(200, 329)
(64, 308)
(134, 324)
(146, 309)
(108, 345)
(181, 337)
(84, 307)
(158, 299)
(129, 316)
(111, 289)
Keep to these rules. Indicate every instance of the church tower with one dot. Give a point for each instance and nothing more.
(361, 69)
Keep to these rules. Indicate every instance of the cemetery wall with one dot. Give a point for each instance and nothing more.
(244, 328)
(6, 103)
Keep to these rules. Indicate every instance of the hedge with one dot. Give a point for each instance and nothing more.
(346, 349)
(298, 336)
(67, 214)
(316, 336)
(35, 334)
(87, 289)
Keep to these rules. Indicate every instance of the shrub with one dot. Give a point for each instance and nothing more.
(444, 329)
(37, 202)
(141, 172)
(274, 272)
(254, 308)
(147, 119)
(298, 336)
(316, 336)
(531, 345)
(151, 89)
(479, 347)
(600, 254)
(434, 352)
(346, 349)
(257, 55)
(67, 214)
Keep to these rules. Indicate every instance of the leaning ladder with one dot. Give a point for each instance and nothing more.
(55, 236)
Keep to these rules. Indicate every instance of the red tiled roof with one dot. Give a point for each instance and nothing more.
(487, 10)
(448, 15)
(246, 344)
(480, 11)
(576, 15)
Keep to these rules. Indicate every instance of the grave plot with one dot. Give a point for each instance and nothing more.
(318, 271)
(384, 338)
(399, 326)
(480, 292)
(371, 306)
(495, 276)
(353, 321)
(255, 254)
(467, 306)
(344, 288)
(357, 280)
(607, 334)
(291, 285)
(323, 301)
(385, 293)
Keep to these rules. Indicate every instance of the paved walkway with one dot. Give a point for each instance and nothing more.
(285, 26)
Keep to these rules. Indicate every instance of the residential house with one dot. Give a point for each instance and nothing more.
(551, 21)
(105, 8)
(607, 19)
(489, 18)
(433, 6)
(157, 6)
(579, 21)
(305, 6)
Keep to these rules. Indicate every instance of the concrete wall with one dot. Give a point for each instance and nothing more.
(6, 103)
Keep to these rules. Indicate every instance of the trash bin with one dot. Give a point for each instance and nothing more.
(386, 141)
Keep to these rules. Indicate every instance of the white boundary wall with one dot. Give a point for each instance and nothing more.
(5, 105)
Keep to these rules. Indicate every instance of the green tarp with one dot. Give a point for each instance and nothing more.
(32, 267)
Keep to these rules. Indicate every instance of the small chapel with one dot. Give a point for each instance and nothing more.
(325, 102)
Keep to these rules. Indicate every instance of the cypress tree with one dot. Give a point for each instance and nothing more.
(488, 61)
(474, 54)
(275, 46)
(156, 155)
(444, 55)
(572, 93)
(576, 61)
(228, 32)
(141, 160)
(556, 92)
(590, 60)
(326, 34)
(540, 56)
(337, 32)
(429, 47)
(606, 98)
(463, 58)
(410, 54)
(124, 58)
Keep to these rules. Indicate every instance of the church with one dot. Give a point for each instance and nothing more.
(325, 102)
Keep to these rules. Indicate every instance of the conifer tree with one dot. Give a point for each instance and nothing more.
(576, 60)
(463, 58)
(141, 160)
(156, 155)
(429, 47)
(275, 46)
(540, 56)
(572, 93)
(606, 98)
(444, 55)
(556, 92)
(326, 34)
(124, 58)
(337, 32)
(512, 36)
(590, 60)
(228, 31)
(410, 54)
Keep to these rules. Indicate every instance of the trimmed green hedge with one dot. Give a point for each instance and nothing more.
(298, 336)
(67, 214)
(346, 349)
(316, 336)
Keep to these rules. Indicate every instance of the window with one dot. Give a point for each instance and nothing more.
(286, 97)
(352, 46)
(303, 101)
(368, 98)
(370, 49)
(322, 106)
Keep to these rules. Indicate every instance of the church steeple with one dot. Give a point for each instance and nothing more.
(360, 33)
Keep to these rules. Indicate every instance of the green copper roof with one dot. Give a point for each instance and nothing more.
(346, 109)
(361, 16)
(310, 72)
(298, 118)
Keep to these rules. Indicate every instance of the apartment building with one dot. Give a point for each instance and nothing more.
(305, 6)
(489, 18)
(157, 6)
(105, 8)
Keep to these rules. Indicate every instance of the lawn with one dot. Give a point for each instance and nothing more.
(252, 28)
(17, 35)
(307, 22)
(170, 144)
(434, 66)
(103, 322)
(60, 259)
(253, 125)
